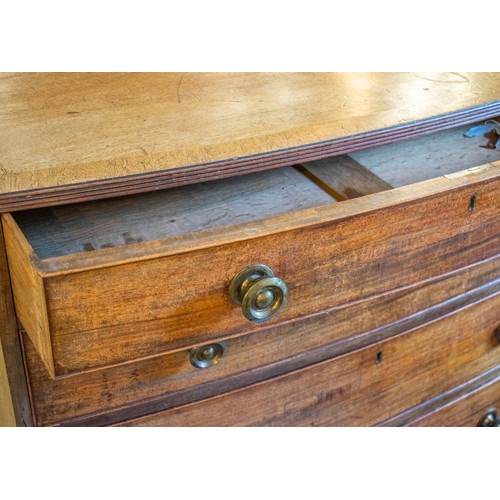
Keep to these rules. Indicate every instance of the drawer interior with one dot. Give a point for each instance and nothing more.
(90, 226)
(153, 216)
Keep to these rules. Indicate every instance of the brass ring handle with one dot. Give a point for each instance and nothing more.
(207, 355)
(259, 292)
(489, 419)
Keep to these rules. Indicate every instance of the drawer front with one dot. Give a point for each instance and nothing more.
(114, 306)
(142, 387)
(469, 411)
(361, 388)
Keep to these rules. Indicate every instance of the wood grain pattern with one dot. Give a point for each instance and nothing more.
(134, 389)
(360, 388)
(97, 318)
(468, 411)
(71, 137)
(7, 415)
(345, 177)
(15, 407)
(28, 291)
(462, 406)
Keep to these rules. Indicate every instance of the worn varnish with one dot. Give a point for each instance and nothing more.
(360, 388)
(467, 411)
(7, 416)
(73, 137)
(133, 389)
(29, 294)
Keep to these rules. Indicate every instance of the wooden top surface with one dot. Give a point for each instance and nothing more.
(71, 137)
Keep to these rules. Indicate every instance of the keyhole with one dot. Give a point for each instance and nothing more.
(378, 358)
(472, 203)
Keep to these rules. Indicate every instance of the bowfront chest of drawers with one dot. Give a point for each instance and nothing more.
(250, 249)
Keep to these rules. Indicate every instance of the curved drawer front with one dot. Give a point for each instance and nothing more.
(471, 410)
(363, 387)
(475, 403)
(133, 389)
(100, 308)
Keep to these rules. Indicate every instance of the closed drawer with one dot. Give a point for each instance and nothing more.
(475, 409)
(103, 283)
(475, 403)
(134, 389)
(361, 388)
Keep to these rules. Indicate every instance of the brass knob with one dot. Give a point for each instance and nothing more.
(489, 419)
(260, 294)
(207, 355)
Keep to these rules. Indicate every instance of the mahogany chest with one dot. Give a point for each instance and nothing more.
(249, 250)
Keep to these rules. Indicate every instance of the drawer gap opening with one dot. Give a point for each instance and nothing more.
(427, 157)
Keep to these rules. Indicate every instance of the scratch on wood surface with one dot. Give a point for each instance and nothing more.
(462, 79)
(179, 88)
(145, 151)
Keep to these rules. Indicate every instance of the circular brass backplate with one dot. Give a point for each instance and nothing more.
(207, 355)
(257, 309)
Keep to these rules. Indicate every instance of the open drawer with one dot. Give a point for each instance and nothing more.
(106, 282)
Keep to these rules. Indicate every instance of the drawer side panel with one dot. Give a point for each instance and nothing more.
(28, 291)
